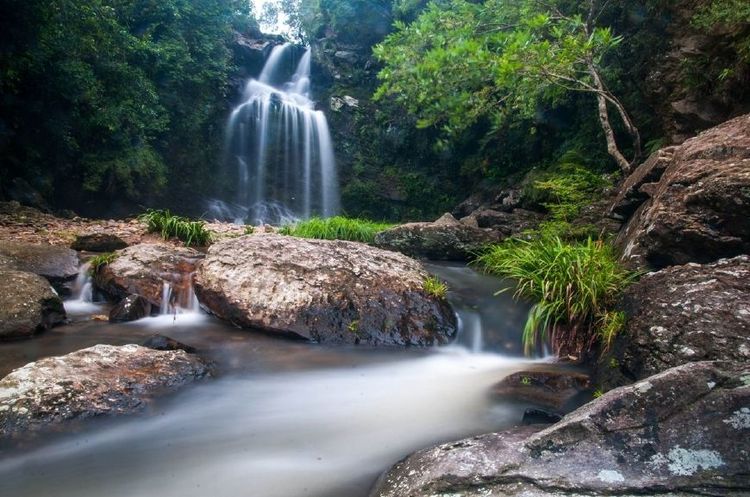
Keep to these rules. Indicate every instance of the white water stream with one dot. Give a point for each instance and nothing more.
(280, 147)
(305, 420)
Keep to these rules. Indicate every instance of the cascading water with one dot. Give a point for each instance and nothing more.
(82, 301)
(280, 147)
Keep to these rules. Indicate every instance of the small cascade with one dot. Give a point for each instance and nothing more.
(280, 146)
(82, 300)
(470, 331)
(178, 305)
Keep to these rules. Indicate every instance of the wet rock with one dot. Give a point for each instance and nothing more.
(699, 211)
(508, 223)
(130, 308)
(143, 269)
(160, 342)
(27, 305)
(444, 239)
(684, 314)
(539, 417)
(58, 264)
(98, 242)
(20, 190)
(547, 387)
(99, 380)
(680, 433)
(633, 191)
(326, 291)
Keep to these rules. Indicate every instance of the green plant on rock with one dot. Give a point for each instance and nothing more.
(97, 262)
(573, 287)
(435, 287)
(336, 228)
(169, 226)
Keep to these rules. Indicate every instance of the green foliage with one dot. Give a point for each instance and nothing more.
(112, 98)
(461, 62)
(564, 190)
(435, 287)
(573, 287)
(170, 226)
(336, 228)
(249, 229)
(96, 262)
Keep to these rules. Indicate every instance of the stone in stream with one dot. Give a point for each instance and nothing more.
(680, 433)
(699, 208)
(545, 386)
(683, 314)
(160, 342)
(322, 290)
(58, 264)
(131, 308)
(142, 270)
(444, 239)
(99, 380)
(98, 242)
(27, 305)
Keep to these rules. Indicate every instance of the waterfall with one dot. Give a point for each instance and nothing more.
(82, 300)
(280, 147)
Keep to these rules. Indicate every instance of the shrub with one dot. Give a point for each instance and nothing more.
(433, 286)
(168, 225)
(336, 228)
(573, 285)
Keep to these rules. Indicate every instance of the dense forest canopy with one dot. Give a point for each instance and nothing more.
(126, 100)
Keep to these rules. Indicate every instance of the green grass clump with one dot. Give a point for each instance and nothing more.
(336, 228)
(100, 260)
(433, 286)
(573, 285)
(171, 226)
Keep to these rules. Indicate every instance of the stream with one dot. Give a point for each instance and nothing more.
(282, 418)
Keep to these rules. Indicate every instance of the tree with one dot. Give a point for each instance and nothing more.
(460, 62)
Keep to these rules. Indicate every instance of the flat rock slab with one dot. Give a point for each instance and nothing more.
(552, 388)
(98, 242)
(681, 433)
(27, 305)
(322, 290)
(99, 380)
(143, 269)
(58, 264)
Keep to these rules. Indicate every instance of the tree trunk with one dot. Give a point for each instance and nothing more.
(609, 133)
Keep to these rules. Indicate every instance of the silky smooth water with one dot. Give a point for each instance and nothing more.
(280, 147)
(282, 418)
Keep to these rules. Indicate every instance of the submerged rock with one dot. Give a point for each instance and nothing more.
(680, 433)
(98, 242)
(685, 314)
(142, 270)
(321, 290)
(699, 211)
(99, 380)
(131, 308)
(444, 239)
(160, 342)
(58, 264)
(548, 387)
(27, 305)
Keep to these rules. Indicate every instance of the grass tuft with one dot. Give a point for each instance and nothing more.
(101, 260)
(435, 287)
(573, 285)
(336, 228)
(169, 226)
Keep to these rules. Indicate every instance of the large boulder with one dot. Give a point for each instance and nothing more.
(444, 239)
(683, 314)
(144, 269)
(321, 290)
(58, 264)
(98, 242)
(99, 380)
(699, 211)
(27, 305)
(681, 433)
